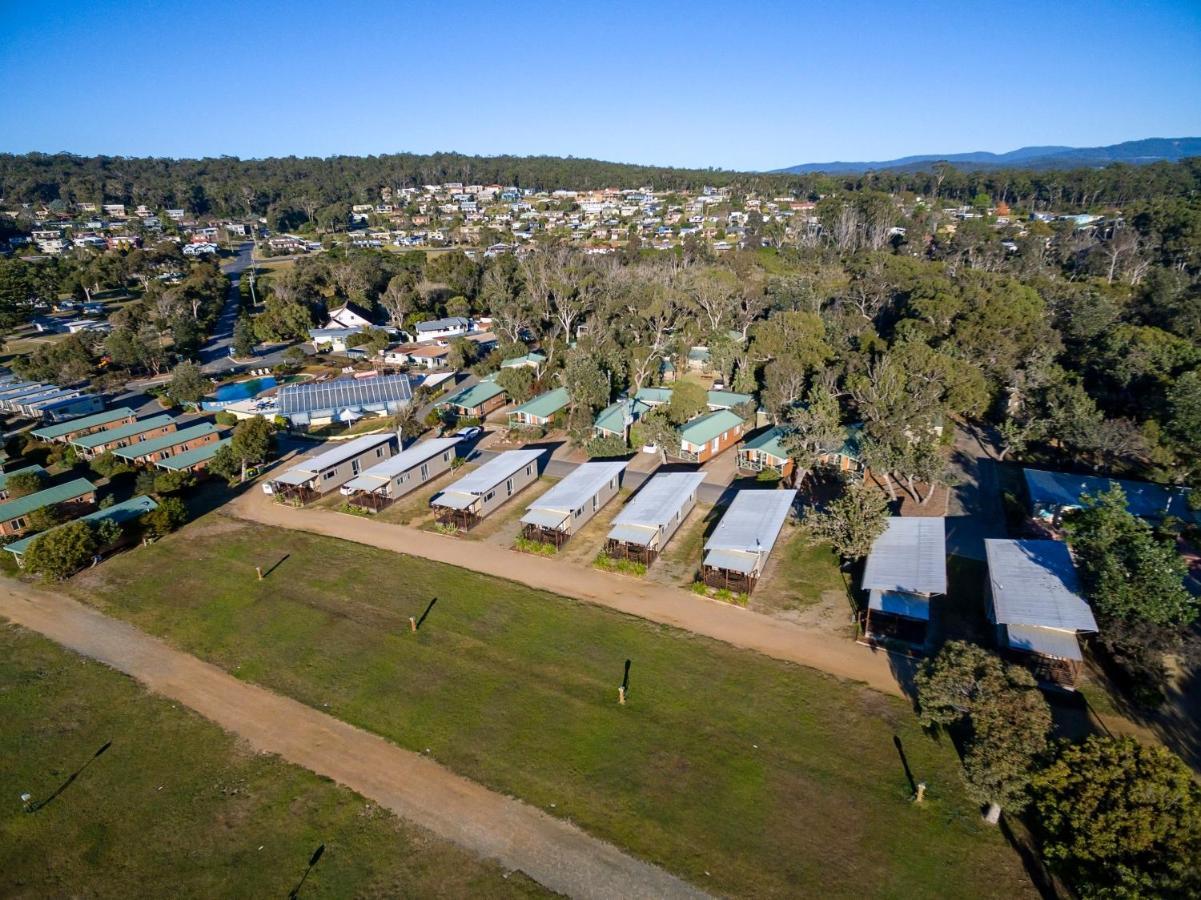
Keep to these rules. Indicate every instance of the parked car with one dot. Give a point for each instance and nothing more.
(470, 433)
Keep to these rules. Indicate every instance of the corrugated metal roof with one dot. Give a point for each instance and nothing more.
(88, 441)
(440, 324)
(1044, 641)
(59, 493)
(493, 472)
(171, 439)
(118, 512)
(727, 399)
(900, 603)
(474, 396)
(1143, 498)
(753, 521)
(770, 443)
(545, 405)
(732, 561)
(336, 454)
(189, 458)
(344, 393)
(911, 555)
(633, 534)
(659, 500)
(545, 518)
(101, 418)
(579, 486)
(1035, 583)
(705, 428)
(409, 458)
(612, 418)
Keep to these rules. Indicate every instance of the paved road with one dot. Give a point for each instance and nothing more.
(553, 852)
(646, 599)
(975, 511)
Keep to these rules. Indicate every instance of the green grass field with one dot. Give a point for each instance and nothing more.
(175, 808)
(745, 775)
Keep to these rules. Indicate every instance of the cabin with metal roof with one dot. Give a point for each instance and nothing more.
(313, 403)
(768, 451)
(96, 443)
(64, 432)
(1036, 605)
(532, 360)
(709, 434)
(1054, 493)
(539, 411)
(480, 493)
(739, 547)
(194, 460)
(906, 567)
(383, 484)
(70, 498)
(616, 418)
(327, 470)
(643, 528)
(569, 505)
(476, 401)
(174, 443)
(121, 513)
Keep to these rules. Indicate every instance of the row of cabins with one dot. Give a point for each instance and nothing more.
(45, 402)
(121, 513)
(1034, 596)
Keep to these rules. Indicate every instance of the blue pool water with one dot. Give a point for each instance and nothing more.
(239, 390)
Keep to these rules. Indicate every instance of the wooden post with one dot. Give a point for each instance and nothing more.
(259, 571)
(921, 792)
(621, 695)
(412, 624)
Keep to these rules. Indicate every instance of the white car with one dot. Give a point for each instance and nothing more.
(469, 433)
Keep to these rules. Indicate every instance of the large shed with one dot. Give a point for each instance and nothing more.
(566, 508)
(643, 528)
(477, 494)
(737, 551)
(343, 399)
(1036, 605)
(907, 566)
(336, 464)
(382, 485)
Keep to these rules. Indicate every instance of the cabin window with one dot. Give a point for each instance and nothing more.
(529, 469)
(326, 476)
(425, 471)
(354, 466)
(509, 488)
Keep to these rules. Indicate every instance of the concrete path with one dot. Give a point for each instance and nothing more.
(553, 852)
(644, 598)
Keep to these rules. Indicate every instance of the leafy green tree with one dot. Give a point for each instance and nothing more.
(23, 483)
(814, 428)
(61, 552)
(997, 713)
(1120, 819)
(187, 385)
(688, 400)
(169, 515)
(655, 429)
(518, 382)
(588, 387)
(852, 521)
(606, 447)
(44, 518)
(171, 482)
(244, 338)
(109, 465)
(107, 532)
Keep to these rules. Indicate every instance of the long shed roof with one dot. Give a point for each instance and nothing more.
(1143, 498)
(489, 475)
(343, 393)
(752, 522)
(50, 432)
(911, 555)
(141, 426)
(337, 452)
(189, 458)
(59, 493)
(659, 499)
(1035, 583)
(579, 486)
(171, 439)
(406, 459)
(118, 512)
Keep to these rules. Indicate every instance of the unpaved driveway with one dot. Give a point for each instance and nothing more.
(549, 850)
(638, 597)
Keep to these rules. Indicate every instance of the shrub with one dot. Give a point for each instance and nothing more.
(60, 553)
(605, 446)
(225, 417)
(170, 514)
(108, 465)
(24, 483)
(538, 548)
(622, 566)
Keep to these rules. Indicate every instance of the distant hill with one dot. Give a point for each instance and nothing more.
(1148, 150)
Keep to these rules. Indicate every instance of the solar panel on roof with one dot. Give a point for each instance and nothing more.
(344, 393)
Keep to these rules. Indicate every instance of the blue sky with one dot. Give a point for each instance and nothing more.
(732, 84)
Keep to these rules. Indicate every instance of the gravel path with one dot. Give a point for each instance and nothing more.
(553, 852)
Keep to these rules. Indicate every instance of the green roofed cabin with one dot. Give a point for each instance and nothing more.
(707, 435)
(4, 476)
(540, 410)
(173, 443)
(614, 420)
(70, 498)
(119, 512)
(715, 400)
(100, 442)
(478, 400)
(767, 451)
(66, 432)
(194, 460)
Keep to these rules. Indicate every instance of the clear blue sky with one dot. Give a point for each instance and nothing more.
(731, 84)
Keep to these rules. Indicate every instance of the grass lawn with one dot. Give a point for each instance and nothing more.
(176, 808)
(800, 574)
(743, 774)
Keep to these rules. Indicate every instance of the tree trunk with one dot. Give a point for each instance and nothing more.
(993, 816)
(888, 485)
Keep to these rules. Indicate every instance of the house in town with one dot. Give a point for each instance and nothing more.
(121, 513)
(174, 443)
(442, 329)
(193, 460)
(566, 508)
(709, 434)
(480, 493)
(314, 403)
(1054, 493)
(70, 499)
(737, 551)
(1035, 603)
(476, 401)
(65, 432)
(385, 483)
(425, 356)
(538, 412)
(97, 443)
(328, 470)
(333, 340)
(906, 567)
(24, 470)
(643, 528)
(348, 316)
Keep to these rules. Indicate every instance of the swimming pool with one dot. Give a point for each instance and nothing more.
(238, 390)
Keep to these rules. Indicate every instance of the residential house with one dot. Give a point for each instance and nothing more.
(540, 411)
(97, 443)
(479, 493)
(442, 329)
(707, 435)
(906, 567)
(194, 460)
(385, 483)
(738, 549)
(643, 528)
(335, 465)
(65, 432)
(153, 450)
(121, 513)
(348, 316)
(566, 508)
(336, 340)
(70, 499)
(476, 401)
(1035, 603)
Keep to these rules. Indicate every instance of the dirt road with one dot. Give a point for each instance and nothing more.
(549, 850)
(659, 603)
